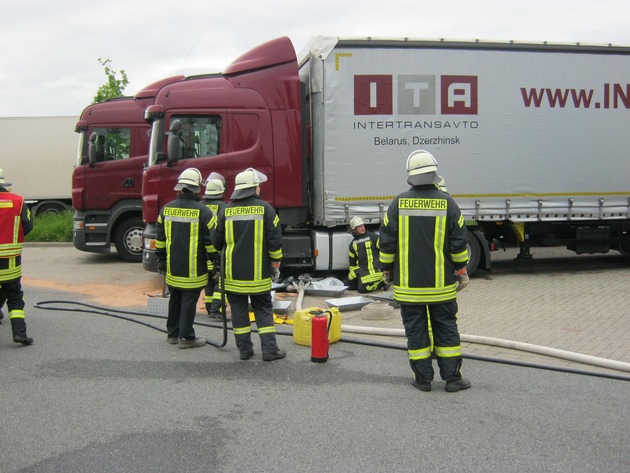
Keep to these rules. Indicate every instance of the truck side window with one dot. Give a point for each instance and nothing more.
(200, 136)
(113, 143)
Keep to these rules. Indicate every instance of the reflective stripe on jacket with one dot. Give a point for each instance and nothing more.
(249, 233)
(423, 236)
(363, 258)
(183, 238)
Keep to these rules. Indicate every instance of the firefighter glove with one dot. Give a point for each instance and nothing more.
(462, 277)
(162, 266)
(275, 270)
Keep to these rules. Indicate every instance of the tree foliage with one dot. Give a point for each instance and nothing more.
(114, 86)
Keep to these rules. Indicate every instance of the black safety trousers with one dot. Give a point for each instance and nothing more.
(445, 333)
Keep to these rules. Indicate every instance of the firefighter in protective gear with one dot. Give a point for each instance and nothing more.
(16, 222)
(213, 199)
(364, 273)
(423, 241)
(249, 234)
(183, 247)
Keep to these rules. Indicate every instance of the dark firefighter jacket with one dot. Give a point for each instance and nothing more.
(215, 205)
(249, 234)
(16, 222)
(423, 237)
(183, 238)
(363, 258)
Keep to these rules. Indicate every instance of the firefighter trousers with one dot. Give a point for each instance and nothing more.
(182, 308)
(213, 295)
(437, 322)
(11, 292)
(262, 306)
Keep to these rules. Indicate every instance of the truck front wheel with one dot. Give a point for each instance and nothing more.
(128, 239)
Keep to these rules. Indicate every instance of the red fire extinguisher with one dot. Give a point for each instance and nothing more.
(319, 335)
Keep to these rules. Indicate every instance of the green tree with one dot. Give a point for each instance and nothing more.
(114, 86)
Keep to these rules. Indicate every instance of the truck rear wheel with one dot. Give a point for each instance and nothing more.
(474, 253)
(128, 239)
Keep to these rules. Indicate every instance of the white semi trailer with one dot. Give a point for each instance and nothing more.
(38, 155)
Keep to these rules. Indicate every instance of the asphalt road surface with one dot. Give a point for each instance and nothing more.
(97, 393)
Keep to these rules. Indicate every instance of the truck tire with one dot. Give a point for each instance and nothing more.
(474, 253)
(128, 239)
(54, 209)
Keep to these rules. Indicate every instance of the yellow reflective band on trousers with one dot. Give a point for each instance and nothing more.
(242, 330)
(420, 354)
(16, 314)
(448, 352)
(269, 329)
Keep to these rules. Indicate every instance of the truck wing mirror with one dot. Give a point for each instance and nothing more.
(92, 149)
(173, 147)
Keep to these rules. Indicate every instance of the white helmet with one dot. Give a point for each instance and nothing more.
(355, 222)
(3, 181)
(189, 179)
(422, 168)
(214, 187)
(442, 185)
(246, 183)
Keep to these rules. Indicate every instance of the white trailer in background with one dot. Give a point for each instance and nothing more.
(533, 140)
(38, 155)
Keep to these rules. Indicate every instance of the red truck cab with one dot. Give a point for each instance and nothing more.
(107, 180)
(247, 116)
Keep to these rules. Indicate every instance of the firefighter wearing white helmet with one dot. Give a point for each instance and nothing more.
(183, 248)
(364, 273)
(16, 222)
(213, 199)
(249, 234)
(423, 242)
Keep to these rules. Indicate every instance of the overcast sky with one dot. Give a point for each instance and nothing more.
(49, 50)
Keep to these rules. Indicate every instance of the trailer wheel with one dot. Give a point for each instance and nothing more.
(474, 253)
(128, 239)
(54, 209)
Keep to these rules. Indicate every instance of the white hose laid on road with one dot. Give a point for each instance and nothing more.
(495, 342)
(498, 342)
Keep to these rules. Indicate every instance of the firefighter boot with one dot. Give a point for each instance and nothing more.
(19, 332)
(454, 385)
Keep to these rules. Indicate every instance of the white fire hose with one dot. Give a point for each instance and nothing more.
(496, 342)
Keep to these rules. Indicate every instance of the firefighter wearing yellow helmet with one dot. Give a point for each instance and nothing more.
(183, 248)
(423, 242)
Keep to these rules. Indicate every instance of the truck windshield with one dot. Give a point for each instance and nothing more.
(156, 133)
(82, 151)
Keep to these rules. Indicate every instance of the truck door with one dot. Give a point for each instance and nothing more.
(117, 173)
(201, 139)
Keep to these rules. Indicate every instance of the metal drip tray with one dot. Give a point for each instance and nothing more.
(324, 291)
(349, 303)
